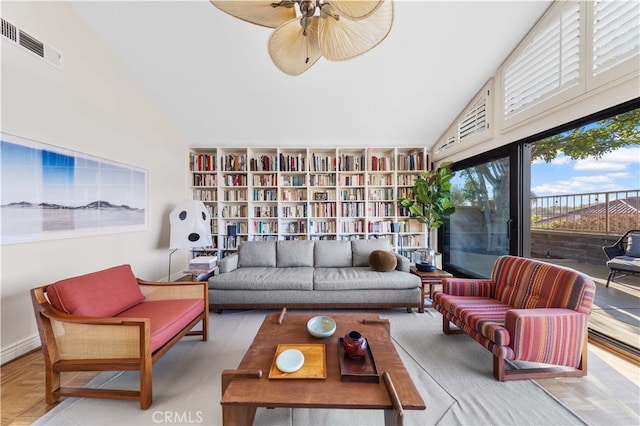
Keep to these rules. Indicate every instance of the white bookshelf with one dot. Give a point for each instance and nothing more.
(307, 193)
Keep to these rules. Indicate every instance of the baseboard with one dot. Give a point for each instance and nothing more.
(19, 348)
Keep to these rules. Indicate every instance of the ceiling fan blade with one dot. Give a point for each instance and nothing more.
(258, 12)
(291, 50)
(342, 39)
(355, 9)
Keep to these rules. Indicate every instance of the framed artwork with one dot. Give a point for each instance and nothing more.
(50, 192)
(320, 196)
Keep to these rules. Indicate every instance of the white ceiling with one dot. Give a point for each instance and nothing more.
(212, 76)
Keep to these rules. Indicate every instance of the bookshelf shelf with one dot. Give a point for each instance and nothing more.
(306, 193)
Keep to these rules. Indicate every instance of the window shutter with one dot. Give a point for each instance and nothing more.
(616, 33)
(550, 63)
(474, 121)
(473, 125)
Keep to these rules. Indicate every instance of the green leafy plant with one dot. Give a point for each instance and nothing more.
(429, 200)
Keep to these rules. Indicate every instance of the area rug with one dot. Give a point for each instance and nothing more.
(453, 374)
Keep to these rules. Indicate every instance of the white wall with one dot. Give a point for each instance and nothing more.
(94, 107)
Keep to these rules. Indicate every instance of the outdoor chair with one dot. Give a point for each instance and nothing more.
(624, 256)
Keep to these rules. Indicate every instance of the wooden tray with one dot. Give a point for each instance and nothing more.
(357, 369)
(314, 367)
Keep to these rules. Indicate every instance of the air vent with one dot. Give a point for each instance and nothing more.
(31, 44)
(9, 31)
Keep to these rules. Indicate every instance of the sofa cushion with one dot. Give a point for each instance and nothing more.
(483, 314)
(362, 248)
(526, 283)
(633, 245)
(167, 317)
(98, 294)
(264, 279)
(257, 253)
(362, 278)
(332, 254)
(625, 263)
(294, 253)
(382, 261)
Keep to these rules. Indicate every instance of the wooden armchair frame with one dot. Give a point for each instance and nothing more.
(619, 248)
(77, 343)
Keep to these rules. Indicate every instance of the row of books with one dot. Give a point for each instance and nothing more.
(293, 163)
(265, 195)
(381, 209)
(265, 227)
(234, 163)
(351, 194)
(294, 211)
(293, 181)
(235, 195)
(265, 180)
(322, 164)
(322, 180)
(205, 194)
(264, 163)
(352, 163)
(204, 179)
(234, 211)
(202, 162)
(381, 163)
(235, 180)
(410, 162)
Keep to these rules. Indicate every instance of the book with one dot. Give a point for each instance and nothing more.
(203, 262)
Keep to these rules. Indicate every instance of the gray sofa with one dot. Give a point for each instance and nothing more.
(311, 274)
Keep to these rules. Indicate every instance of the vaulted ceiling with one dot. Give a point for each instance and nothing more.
(212, 76)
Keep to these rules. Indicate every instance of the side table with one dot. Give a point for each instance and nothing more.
(195, 273)
(428, 279)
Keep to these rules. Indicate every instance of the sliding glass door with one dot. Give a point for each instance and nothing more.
(485, 224)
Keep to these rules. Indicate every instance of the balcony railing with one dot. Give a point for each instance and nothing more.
(595, 212)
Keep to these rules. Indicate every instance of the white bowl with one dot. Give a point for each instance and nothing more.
(321, 326)
(290, 361)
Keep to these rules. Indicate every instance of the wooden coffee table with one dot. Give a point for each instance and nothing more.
(248, 387)
(428, 279)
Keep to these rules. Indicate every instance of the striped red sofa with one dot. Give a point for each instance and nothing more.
(528, 311)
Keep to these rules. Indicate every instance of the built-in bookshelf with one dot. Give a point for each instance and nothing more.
(261, 194)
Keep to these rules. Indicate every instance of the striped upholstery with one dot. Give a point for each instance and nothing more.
(549, 336)
(528, 311)
(526, 283)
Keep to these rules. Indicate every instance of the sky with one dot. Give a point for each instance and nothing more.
(615, 171)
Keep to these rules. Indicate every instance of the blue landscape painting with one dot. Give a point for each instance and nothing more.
(50, 192)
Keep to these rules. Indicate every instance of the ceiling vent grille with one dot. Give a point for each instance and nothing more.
(31, 44)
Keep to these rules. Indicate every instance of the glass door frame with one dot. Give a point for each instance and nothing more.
(518, 235)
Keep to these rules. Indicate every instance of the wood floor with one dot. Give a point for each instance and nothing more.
(608, 395)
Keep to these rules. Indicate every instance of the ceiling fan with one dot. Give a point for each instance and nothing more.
(305, 30)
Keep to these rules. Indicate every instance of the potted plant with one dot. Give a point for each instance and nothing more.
(429, 202)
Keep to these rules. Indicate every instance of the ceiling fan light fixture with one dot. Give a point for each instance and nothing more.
(342, 39)
(355, 10)
(266, 13)
(292, 51)
(336, 29)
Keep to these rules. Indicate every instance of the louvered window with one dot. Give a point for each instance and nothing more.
(474, 121)
(550, 63)
(616, 33)
(472, 125)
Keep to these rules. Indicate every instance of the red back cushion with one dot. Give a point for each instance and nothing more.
(99, 294)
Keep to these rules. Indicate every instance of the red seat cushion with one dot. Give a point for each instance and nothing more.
(167, 317)
(99, 294)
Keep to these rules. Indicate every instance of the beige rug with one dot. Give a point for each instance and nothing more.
(453, 374)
